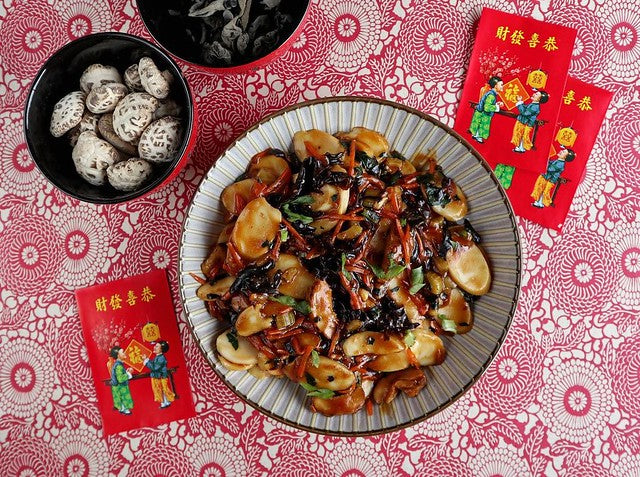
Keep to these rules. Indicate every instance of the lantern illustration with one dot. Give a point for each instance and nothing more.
(566, 137)
(537, 79)
(150, 332)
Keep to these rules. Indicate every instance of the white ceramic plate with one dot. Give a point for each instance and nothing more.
(490, 213)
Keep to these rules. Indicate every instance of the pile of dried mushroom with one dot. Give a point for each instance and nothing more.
(340, 267)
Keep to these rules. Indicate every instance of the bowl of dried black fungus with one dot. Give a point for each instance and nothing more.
(225, 36)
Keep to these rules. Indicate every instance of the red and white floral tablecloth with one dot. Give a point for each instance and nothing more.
(561, 398)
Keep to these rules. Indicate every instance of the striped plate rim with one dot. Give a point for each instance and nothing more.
(409, 131)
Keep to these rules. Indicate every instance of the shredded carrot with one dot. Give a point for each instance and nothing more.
(286, 334)
(432, 166)
(295, 234)
(313, 152)
(336, 231)
(280, 183)
(275, 333)
(200, 280)
(356, 303)
(258, 344)
(260, 155)
(334, 340)
(302, 364)
(274, 253)
(233, 262)
(369, 407)
(413, 361)
(296, 345)
(238, 204)
(350, 217)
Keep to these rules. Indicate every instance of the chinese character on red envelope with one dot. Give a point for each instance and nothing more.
(514, 88)
(135, 352)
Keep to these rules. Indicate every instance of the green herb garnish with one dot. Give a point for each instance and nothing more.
(371, 216)
(284, 235)
(417, 280)
(447, 324)
(315, 359)
(299, 305)
(409, 338)
(301, 200)
(393, 271)
(233, 339)
(313, 391)
(345, 272)
(292, 215)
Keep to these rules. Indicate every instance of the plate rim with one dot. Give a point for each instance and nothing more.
(518, 271)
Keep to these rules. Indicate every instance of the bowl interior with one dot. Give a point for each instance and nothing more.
(172, 31)
(490, 213)
(61, 75)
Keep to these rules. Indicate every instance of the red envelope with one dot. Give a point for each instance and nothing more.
(135, 352)
(514, 88)
(545, 196)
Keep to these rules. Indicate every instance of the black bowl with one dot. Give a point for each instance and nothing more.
(176, 33)
(60, 75)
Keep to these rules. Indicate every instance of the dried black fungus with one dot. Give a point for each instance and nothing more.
(254, 279)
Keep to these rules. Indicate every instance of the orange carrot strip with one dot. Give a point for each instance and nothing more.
(334, 340)
(233, 262)
(257, 343)
(260, 155)
(350, 217)
(295, 234)
(314, 153)
(200, 280)
(303, 361)
(369, 407)
(296, 345)
(356, 303)
(413, 361)
(336, 231)
(280, 183)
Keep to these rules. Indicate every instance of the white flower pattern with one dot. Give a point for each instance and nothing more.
(86, 237)
(576, 401)
(26, 378)
(356, 29)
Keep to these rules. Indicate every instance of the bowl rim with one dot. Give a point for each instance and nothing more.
(243, 67)
(190, 132)
(518, 272)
